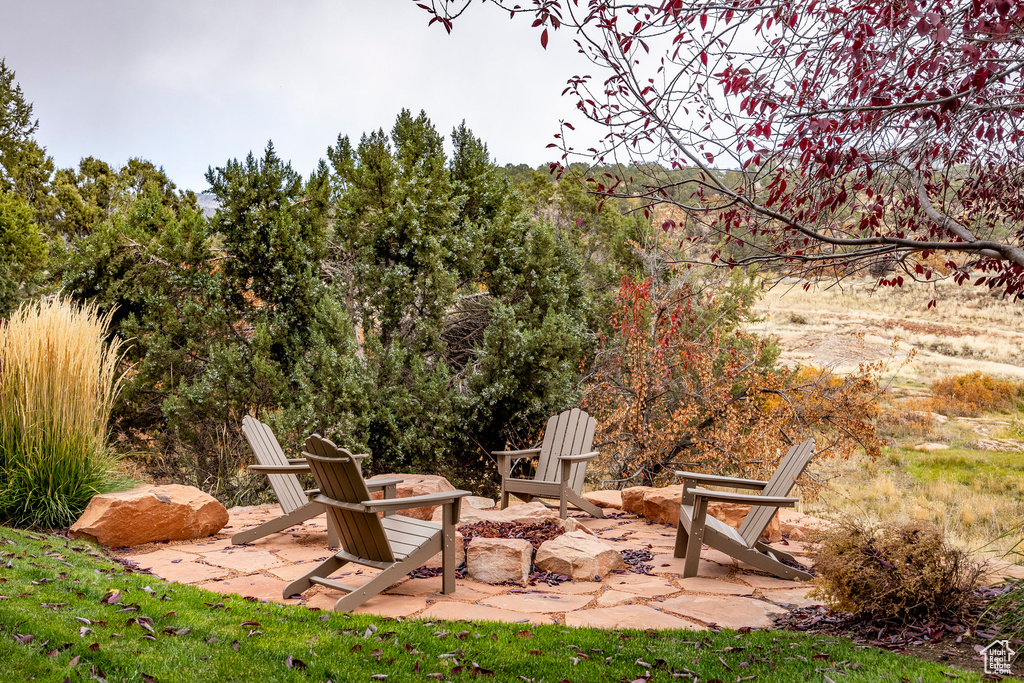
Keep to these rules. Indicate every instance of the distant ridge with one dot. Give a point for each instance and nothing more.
(208, 203)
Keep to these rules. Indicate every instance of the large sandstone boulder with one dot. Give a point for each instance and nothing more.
(494, 560)
(150, 513)
(633, 499)
(417, 485)
(801, 527)
(661, 505)
(605, 499)
(579, 556)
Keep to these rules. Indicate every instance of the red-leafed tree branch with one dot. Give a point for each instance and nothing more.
(819, 137)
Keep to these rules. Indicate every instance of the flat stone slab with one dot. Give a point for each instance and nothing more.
(390, 606)
(700, 584)
(290, 572)
(188, 572)
(243, 559)
(460, 611)
(605, 499)
(293, 552)
(539, 603)
(794, 597)
(767, 582)
(162, 557)
(640, 584)
(724, 611)
(614, 598)
(667, 564)
(254, 585)
(627, 616)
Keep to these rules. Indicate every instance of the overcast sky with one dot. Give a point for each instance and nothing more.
(190, 83)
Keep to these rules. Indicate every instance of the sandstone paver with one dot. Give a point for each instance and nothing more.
(301, 552)
(390, 606)
(253, 585)
(292, 571)
(641, 584)
(243, 559)
(614, 598)
(793, 596)
(162, 556)
(539, 603)
(627, 616)
(667, 564)
(700, 584)
(188, 572)
(725, 611)
(766, 582)
(460, 611)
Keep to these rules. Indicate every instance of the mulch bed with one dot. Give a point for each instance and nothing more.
(535, 533)
(951, 639)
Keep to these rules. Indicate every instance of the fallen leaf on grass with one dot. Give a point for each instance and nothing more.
(293, 663)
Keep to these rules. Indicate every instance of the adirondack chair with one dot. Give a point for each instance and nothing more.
(297, 503)
(697, 527)
(561, 464)
(395, 544)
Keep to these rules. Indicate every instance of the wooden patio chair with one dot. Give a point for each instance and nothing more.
(561, 464)
(697, 527)
(297, 503)
(395, 544)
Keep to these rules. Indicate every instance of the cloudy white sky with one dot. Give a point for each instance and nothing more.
(190, 83)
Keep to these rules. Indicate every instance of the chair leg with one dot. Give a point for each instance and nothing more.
(333, 540)
(322, 570)
(390, 575)
(696, 538)
(681, 539)
(448, 541)
(584, 504)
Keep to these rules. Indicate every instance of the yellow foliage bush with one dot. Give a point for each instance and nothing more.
(975, 393)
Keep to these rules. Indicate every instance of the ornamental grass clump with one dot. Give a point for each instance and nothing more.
(58, 380)
(895, 573)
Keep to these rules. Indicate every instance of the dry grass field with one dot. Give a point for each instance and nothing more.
(972, 483)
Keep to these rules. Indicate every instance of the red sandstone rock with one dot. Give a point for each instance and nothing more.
(416, 485)
(150, 513)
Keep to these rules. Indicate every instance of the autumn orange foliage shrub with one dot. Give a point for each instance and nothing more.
(680, 384)
(975, 393)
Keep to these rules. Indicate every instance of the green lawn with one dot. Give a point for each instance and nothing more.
(69, 613)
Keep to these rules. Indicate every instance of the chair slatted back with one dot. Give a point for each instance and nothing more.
(782, 482)
(569, 433)
(337, 475)
(268, 452)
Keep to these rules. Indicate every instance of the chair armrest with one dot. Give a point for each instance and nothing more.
(414, 501)
(718, 480)
(744, 498)
(378, 484)
(312, 492)
(515, 454)
(279, 469)
(581, 457)
(296, 461)
(360, 456)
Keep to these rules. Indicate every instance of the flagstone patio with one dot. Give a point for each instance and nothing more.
(724, 593)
